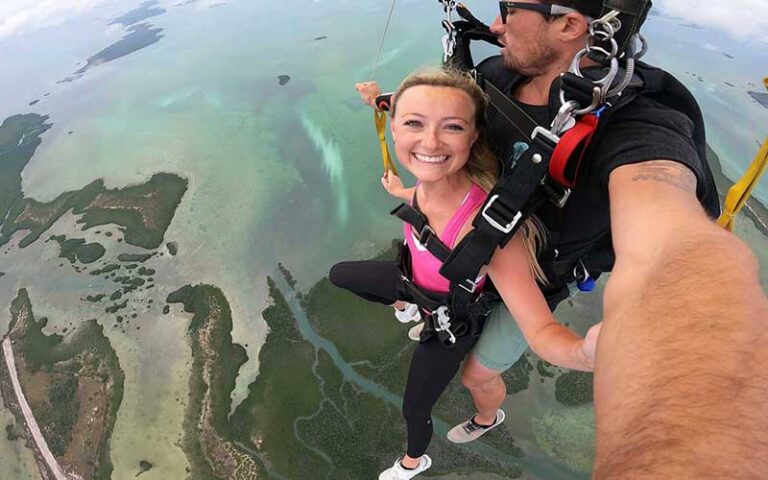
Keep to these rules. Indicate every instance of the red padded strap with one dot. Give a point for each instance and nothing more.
(571, 147)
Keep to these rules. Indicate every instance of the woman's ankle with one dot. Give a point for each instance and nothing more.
(410, 462)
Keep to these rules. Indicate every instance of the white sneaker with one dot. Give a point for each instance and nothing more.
(415, 332)
(470, 431)
(409, 314)
(398, 472)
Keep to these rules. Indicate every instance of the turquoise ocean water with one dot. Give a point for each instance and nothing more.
(277, 173)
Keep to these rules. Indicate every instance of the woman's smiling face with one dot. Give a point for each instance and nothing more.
(433, 129)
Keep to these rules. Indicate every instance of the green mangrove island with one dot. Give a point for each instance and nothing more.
(74, 389)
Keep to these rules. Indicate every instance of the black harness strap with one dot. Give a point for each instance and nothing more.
(632, 15)
(427, 236)
(516, 116)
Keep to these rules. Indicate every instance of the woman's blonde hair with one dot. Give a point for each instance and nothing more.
(482, 166)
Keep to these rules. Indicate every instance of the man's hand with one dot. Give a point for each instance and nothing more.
(368, 92)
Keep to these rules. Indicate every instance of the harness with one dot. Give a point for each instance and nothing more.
(442, 317)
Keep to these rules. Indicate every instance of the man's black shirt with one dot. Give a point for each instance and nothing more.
(643, 130)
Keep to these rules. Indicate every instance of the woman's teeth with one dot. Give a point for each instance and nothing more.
(430, 158)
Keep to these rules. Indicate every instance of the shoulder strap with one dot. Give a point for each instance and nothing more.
(413, 216)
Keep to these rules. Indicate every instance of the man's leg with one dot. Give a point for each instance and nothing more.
(487, 388)
(500, 346)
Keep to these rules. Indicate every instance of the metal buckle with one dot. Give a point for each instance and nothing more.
(546, 134)
(558, 198)
(472, 285)
(502, 228)
(425, 233)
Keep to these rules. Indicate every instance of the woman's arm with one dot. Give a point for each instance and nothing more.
(511, 274)
(394, 186)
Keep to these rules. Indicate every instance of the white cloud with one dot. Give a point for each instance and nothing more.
(22, 16)
(740, 18)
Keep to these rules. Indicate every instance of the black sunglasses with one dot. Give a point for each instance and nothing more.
(544, 9)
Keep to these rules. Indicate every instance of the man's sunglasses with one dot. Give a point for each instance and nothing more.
(544, 9)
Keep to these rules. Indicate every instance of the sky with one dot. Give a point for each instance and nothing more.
(18, 17)
(742, 19)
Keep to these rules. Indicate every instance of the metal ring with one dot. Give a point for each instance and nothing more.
(565, 112)
(614, 48)
(604, 26)
(576, 63)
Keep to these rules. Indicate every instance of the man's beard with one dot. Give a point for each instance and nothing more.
(539, 60)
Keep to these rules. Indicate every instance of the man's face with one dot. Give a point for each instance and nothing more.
(526, 44)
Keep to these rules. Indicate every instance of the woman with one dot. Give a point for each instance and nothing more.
(436, 124)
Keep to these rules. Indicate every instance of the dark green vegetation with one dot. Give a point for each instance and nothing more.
(59, 420)
(11, 433)
(19, 138)
(146, 272)
(209, 439)
(574, 388)
(173, 248)
(74, 388)
(143, 211)
(144, 466)
(117, 306)
(105, 269)
(76, 250)
(140, 36)
(135, 257)
(144, 11)
(544, 369)
(287, 275)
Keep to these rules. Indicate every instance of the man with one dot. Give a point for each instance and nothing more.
(681, 380)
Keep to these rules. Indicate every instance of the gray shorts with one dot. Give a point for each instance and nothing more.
(502, 343)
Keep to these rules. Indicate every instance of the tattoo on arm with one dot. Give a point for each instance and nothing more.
(668, 172)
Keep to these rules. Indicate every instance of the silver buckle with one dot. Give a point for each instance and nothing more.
(472, 285)
(546, 134)
(558, 199)
(425, 233)
(502, 228)
(566, 195)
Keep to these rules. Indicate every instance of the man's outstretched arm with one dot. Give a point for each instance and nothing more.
(681, 380)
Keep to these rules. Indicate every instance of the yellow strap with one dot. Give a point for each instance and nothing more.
(380, 119)
(740, 191)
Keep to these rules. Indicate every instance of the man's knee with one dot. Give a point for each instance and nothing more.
(485, 379)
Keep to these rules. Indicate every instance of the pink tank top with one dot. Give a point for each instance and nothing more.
(425, 267)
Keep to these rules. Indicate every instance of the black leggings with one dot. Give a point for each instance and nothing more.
(432, 366)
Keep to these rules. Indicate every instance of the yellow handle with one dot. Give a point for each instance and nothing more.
(380, 119)
(741, 190)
